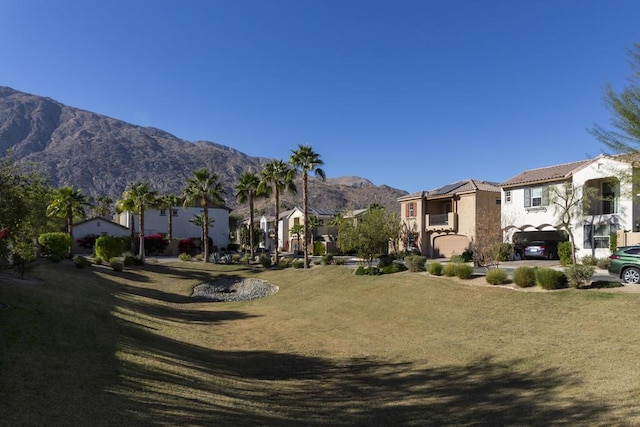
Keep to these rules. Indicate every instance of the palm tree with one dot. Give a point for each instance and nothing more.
(199, 221)
(138, 197)
(204, 189)
(277, 176)
(127, 206)
(168, 201)
(306, 160)
(297, 230)
(68, 202)
(246, 190)
(102, 207)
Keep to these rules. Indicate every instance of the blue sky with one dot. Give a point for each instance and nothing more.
(411, 94)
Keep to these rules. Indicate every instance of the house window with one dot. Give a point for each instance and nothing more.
(507, 196)
(608, 198)
(536, 196)
(174, 212)
(410, 211)
(296, 221)
(498, 202)
(163, 212)
(596, 236)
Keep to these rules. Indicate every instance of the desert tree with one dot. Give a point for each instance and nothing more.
(205, 190)
(277, 177)
(487, 242)
(306, 160)
(140, 197)
(68, 203)
(247, 191)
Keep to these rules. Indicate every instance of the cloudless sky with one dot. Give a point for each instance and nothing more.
(414, 94)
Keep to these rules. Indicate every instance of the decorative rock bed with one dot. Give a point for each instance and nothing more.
(227, 289)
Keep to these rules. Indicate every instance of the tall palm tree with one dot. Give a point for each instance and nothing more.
(246, 190)
(277, 176)
(127, 206)
(139, 197)
(102, 207)
(68, 202)
(306, 160)
(198, 220)
(205, 189)
(314, 223)
(168, 201)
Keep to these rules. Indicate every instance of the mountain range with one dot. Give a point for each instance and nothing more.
(101, 156)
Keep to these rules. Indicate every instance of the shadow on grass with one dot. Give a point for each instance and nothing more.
(212, 387)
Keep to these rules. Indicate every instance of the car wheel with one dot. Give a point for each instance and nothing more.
(631, 275)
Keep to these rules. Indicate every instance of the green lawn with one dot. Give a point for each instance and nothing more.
(95, 347)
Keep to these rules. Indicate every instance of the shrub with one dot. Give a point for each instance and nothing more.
(496, 276)
(366, 271)
(318, 248)
(564, 253)
(108, 247)
(464, 271)
(327, 259)
(549, 278)
(393, 268)
(88, 241)
(578, 275)
(184, 256)
(155, 244)
(385, 261)
(505, 252)
(265, 261)
(416, 263)
(98, 260)
(284, 262)
(81, 261)
(603, 263)
(589, 260)
(435, 268)
(457, 259)
(128, 259)
(56, 244)
(525, 277)
(340, 261)
(116, 264)
(449, 269)
(467, 255)
(297, 263)
(187, 246)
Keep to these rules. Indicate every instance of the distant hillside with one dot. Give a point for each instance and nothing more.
(101, 156)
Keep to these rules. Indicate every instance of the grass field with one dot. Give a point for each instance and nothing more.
(96, 347)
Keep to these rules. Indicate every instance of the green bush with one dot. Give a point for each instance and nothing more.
(603, 263)
(81, 261)
(416, 263)
(318, 248)
(464, 271)
(549, 278)
(467, 255)
(579, 274)
(327, 259)
(449, 269)
(564, 253)
(284, 262)
(385, 261)
(56, 244)
(116, 264)
(366, 271)
(97, 260)
(504, 254)
(525, 277)
(108, 247)
(435, 268)
(589, 260)
(184, 256)
(496, 276)
(265, 261)
(297, 263)
(458, 259)
(340, 261)
(393, 268)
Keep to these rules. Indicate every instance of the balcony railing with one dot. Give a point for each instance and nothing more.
(442, 222)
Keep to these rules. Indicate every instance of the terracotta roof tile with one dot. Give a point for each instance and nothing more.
(549, 173)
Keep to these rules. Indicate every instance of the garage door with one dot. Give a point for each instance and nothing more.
(445, 246)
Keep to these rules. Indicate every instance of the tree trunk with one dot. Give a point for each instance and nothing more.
(205, 228)
(251, 225)
(275, 226)
(305, 202)
(141, 237)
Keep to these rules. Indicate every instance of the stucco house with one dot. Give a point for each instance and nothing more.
(97, 226)
(445, 221)
(156, 221)
(532, 203)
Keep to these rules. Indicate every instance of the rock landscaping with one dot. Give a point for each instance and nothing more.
(228, 289)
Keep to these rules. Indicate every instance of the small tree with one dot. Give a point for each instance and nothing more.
(488, 240)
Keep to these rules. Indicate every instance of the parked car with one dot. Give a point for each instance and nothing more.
(547, 249)
(625, 263)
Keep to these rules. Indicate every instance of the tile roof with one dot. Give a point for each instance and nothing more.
(546, 174)
(464, 186)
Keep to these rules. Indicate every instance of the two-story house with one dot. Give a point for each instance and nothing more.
(596, 195)
(445, 221)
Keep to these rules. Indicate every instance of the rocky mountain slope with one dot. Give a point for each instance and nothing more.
(102, 155)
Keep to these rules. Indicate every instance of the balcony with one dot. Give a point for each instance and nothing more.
(441, 222)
